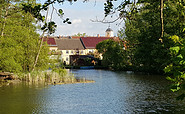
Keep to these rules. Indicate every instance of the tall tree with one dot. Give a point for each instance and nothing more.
(113, 54)
(19, 42)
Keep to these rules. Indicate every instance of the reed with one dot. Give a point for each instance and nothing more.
(51, 77)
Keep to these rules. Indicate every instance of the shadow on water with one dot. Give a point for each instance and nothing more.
(149, 93)
(112, 92)
(22, 98)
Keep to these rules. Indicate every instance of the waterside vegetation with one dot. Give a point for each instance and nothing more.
(46, 77)
(22, 51)
(153, 35)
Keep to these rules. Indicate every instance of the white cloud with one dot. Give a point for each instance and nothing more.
(80, 16)
(76, 21)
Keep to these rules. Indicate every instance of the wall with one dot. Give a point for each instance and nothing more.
(66, 54)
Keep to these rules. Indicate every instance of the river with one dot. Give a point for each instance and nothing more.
(112, 93)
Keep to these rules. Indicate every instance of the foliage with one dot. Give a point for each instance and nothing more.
(113, 54)
(57, 66)
(142, 33)
(176, 69)
(79, 34)
(35, 10)
(19, 41)
(144, 44)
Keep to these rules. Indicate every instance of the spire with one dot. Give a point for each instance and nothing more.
(109, 32)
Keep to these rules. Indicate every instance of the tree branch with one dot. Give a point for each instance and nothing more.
(42, 39)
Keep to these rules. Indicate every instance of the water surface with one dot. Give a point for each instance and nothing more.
(112, 93)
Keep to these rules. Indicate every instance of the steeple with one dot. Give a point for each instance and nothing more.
(109, 32)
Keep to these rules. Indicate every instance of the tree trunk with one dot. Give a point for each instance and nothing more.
(42, 39)
(162, 21)
(4, 23)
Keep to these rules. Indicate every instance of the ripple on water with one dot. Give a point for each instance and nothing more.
(112, 93)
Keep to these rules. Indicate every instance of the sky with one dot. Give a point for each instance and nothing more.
(81, 14)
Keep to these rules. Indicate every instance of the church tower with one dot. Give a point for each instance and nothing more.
(109, 32)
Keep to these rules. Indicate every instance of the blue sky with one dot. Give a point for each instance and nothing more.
(80, 15)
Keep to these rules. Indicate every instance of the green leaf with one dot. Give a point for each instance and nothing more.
(175, 49)
(168, 68)
(44, 26)
(171, 79)
(184, 28)
(175, 87)
(175, 38)
(180, 56)
(61, 12)
(182, 62)
(183, 76)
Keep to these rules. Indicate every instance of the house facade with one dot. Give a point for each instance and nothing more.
(52, 47)
(90, 43)
(51, 43)
(69, 46)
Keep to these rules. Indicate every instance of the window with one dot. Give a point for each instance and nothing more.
(67, 52)
(90, 51)
(71, 51)
(81, 52)
(67, 59)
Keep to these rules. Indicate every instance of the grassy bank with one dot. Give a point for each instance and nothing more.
(46, 77)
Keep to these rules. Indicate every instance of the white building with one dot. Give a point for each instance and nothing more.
(109, 33)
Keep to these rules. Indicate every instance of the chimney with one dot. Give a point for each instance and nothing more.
(98, 35)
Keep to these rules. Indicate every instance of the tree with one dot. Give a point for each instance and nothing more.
(19, 42)
(18, 32)
(48, 27)
(175, 69)
(150, 22)
(113, 54)
(79, 34)
(142, 33)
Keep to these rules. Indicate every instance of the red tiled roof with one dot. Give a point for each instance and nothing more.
(91, 42)
(76, 37)
(50, 41)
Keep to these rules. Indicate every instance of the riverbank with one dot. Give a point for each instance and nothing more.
(47, 77)
(88, 67)
(135, 69)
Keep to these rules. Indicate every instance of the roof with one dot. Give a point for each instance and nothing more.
(109, 29)
(50, 41)
(69, 44)
(91, 42)
(76, 37)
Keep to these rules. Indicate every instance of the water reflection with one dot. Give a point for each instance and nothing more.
(21, 98)
(113, 92)
(150, 94)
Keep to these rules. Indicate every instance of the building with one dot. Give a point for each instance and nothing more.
(109, 32)
(51, 43)
(52, 47)
(90, 43)
(69, 46)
